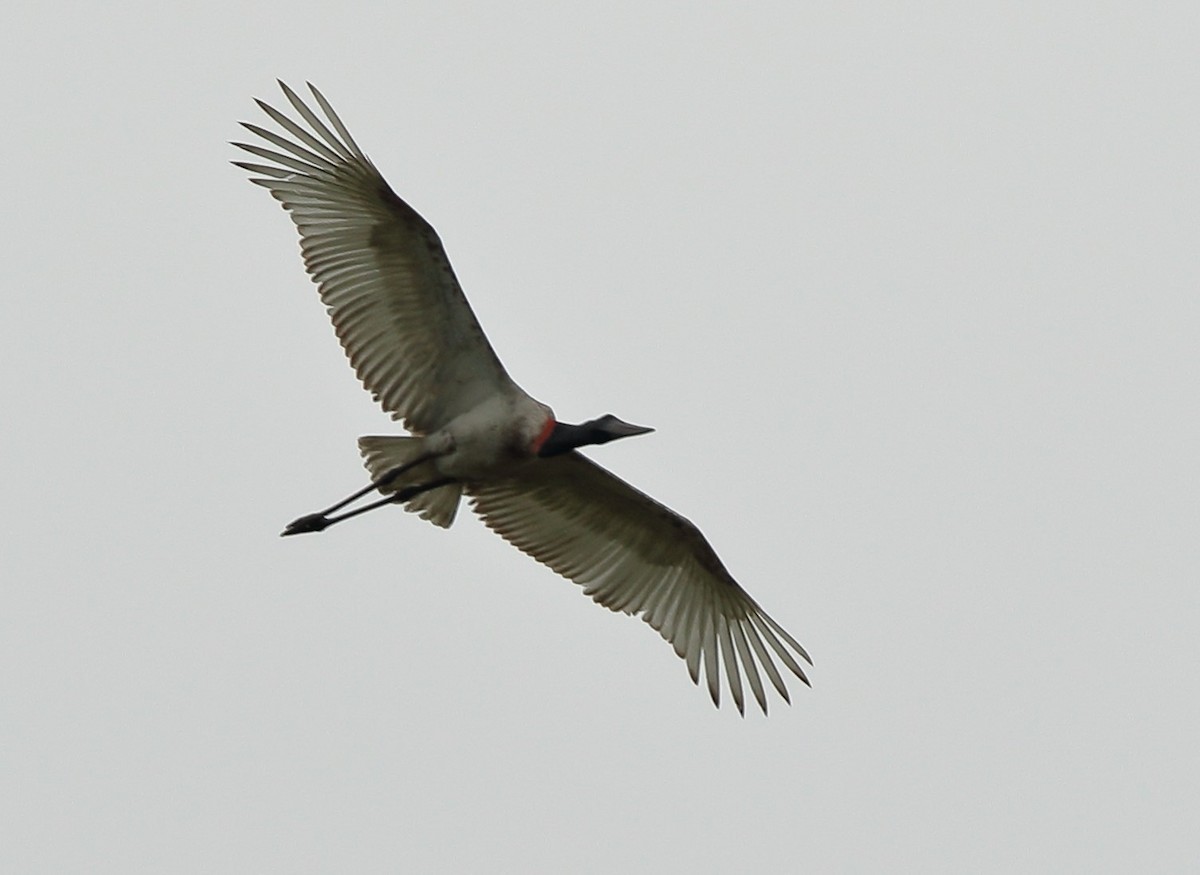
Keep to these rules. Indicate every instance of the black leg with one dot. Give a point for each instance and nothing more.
(317, 522)
(383, 480)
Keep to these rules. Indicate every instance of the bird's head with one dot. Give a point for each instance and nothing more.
(607, 428)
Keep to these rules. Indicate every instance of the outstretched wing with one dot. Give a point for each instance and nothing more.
(381, 270)
(632, 554)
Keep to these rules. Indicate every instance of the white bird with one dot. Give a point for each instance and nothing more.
(416, 346)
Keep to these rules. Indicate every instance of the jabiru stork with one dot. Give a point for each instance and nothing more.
(415, 344)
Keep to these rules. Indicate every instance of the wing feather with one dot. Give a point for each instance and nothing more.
(381, 270)
(739, 638)
(633, 555)
(711, 672)
(731, 662)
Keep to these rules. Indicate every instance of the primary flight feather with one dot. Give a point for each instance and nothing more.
(415, 344)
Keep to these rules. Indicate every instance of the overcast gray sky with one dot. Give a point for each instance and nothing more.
(909, 292)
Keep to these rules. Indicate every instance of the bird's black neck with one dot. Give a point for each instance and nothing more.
(566, 437)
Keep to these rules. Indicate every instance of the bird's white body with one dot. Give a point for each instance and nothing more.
(491, 437)
(416, 346)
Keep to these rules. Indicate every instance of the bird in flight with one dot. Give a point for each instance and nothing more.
(415, 344)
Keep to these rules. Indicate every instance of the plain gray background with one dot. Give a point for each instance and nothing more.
(908, 290)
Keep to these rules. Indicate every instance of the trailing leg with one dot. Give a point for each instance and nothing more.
(317, 522)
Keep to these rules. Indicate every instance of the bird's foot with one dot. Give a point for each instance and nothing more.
(313, 522)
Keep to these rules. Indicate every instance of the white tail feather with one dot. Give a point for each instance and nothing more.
(382, 454)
